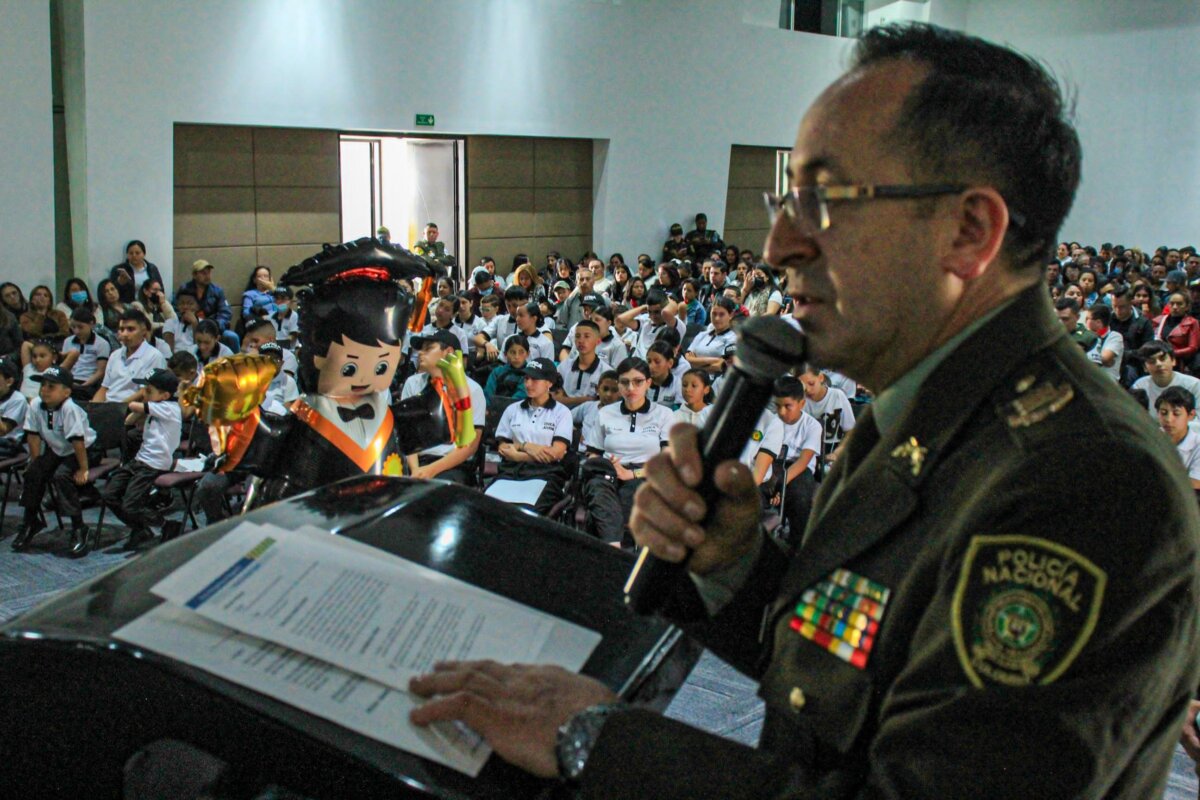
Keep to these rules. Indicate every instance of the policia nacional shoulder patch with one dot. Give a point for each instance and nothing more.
(1023, 609)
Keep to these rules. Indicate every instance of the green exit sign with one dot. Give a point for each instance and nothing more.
(425, 120)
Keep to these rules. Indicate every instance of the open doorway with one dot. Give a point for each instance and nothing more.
(402, 183)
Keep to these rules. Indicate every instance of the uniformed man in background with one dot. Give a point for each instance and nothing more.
(703, 243)
(675, 247)
(963, 617)
(432, 250)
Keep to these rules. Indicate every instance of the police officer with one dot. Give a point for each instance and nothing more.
(675, 247)
(431, 249)
(944, 629)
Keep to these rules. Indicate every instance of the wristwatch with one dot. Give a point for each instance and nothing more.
(578, 736)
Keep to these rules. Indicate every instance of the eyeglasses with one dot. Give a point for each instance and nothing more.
(631, 383)
(808, 206)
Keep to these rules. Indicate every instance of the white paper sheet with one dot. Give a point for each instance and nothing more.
(315, 686)
(374, 614)
(523, 493)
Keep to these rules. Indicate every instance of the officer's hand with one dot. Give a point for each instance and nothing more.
(517, 708)
(667, 510)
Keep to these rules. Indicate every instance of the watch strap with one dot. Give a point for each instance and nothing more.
(577, 736)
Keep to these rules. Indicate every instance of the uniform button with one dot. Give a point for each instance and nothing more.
(796, 698)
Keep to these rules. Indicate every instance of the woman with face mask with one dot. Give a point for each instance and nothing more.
(760, 294)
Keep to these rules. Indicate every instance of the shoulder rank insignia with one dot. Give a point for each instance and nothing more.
(1023, 609)
(912, 452)
(841, 614)
(1034, 405)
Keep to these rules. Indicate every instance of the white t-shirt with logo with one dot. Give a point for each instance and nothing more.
(1112, 341)
(524, 422)
(766, 438)
(803, 434)
(633, 437)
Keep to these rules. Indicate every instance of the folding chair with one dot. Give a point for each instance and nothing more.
(485, 469)
(774, 522)
(108, 421)
(10, 468)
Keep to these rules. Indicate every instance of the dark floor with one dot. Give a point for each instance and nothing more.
(715, 697)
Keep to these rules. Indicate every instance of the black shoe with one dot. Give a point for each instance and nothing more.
(137, 538)
(26, 534)
(79, 541)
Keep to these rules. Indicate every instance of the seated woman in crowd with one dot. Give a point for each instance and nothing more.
(445, 288)
(11, 337)
(153, 301)
(619, 287)
(665, 387)
(707, 350)
(669, 281)
(13, 299)
(129, 276)
(760, 295)
(624, 437)
(528, 279)
(111, 305)
(508, 379)
(75, 294)
(42, 320)
(1145, 300)
(564, 270)
(637, 293)
(535, 435)
(208, 347)
(258, 298)
(696, 315)
(1179, 329)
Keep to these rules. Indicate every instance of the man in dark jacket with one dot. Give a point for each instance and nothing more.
(211, 297)
(946, 627)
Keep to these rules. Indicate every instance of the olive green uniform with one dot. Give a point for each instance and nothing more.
(996, 597)
(434, 252)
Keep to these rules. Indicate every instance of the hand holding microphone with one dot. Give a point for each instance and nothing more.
(689, 514)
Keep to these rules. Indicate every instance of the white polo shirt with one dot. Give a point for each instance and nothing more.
(221, 351)
(584, 415)
(766, 438)
(579, 382)
(13, 410)
(524, 422)
(98, 349)
(417, 383)
(633, 437)
(697, 418)
(500, 328)
(123, 368)
(182, 333)
(1189, 451)
(1153, 390)
(160, 437)
(285, 327)
(803, 434)
(670, 394)
(1112, 341)
(540, 346)
(647, 332)
(59, 428)
(710, 344)
(281, 392)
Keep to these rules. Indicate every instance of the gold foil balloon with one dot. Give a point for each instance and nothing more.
(230, 390)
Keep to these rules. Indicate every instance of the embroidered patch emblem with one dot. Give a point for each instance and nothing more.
(841, 613)
(1023, 609)
(757, 436)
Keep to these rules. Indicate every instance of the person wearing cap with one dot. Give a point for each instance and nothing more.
(287, 321)
(433, 251)
(535, 434)
(483, 283)
(570, 310)
(130, 484)
(58, 435)
(675, 246)
(211, 300)
(702, 242)
(646, 323)
(444, 461)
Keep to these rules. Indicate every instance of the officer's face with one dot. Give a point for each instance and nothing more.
(858, 284)
(431, 235)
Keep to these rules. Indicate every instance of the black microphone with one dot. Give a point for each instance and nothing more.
(767, 348)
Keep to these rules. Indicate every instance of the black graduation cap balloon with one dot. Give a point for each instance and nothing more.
(363, 258)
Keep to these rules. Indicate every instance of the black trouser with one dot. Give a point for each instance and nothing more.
(51, 468)
(209, 495)
(83, 394)
(555, 476)
(609, 501)
(797, 503)
(460, 474)
(126, 491)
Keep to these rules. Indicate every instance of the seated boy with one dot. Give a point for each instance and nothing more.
(85, 353)
(57, 421)
(1176, 408)
(130, 484)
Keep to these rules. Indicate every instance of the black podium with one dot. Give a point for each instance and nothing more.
(84, 715)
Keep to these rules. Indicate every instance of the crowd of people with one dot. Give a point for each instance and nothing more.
(578, 369)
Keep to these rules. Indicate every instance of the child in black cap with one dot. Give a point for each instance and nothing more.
(58, 435)
(130, 484)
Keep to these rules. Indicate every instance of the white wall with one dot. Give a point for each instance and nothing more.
(26, 145)
(1138, 115)
(574, 68)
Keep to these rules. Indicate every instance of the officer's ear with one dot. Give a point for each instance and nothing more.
(976, 224)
